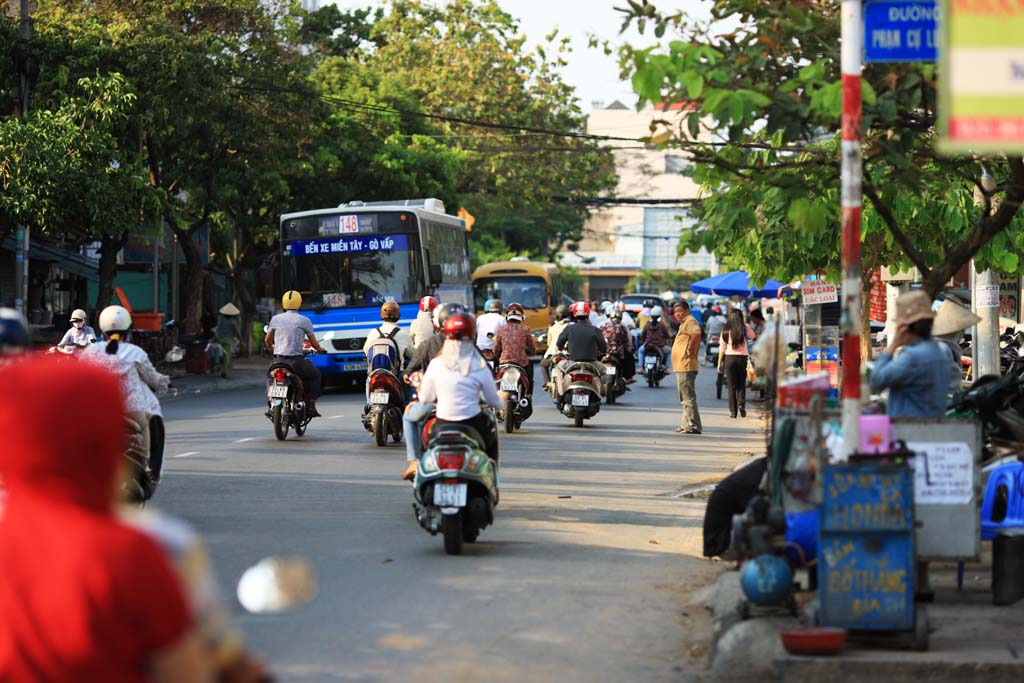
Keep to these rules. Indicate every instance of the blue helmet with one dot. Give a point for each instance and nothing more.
(14, 337)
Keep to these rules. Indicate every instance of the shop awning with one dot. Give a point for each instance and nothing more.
(65, 260)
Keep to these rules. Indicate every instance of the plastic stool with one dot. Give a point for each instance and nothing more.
(1003, 504)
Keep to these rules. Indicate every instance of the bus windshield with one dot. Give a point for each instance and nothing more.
(530, 291)
(361, 270)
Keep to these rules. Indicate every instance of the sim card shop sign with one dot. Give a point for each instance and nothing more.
(818, 292)
(981, 95)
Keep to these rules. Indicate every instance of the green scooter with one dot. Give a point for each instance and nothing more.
(456, 486)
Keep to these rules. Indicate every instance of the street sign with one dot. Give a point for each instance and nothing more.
(900, 30)
(818, 292)
(981, 91)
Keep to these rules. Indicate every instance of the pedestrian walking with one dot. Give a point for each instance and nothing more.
(733, 355)
(685, 351)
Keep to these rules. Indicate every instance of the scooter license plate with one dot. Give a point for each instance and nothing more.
(509, 386)
(581, 399)
(379, 398)
(609, 370)
(277, 391)
(650, 363)
(450, 495)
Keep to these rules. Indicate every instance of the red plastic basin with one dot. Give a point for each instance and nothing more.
(813, 641)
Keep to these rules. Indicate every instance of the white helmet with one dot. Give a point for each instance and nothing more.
(115, 319)
(656, 312)
(607, 306)
(78, 314)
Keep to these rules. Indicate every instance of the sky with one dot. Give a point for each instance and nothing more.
(594, 75)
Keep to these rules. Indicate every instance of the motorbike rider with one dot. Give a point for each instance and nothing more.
(14, 337)
(422, 327)
(716, 322)
(284, 338)
(627, 319)
(514, 343)
(620, 345)
(655, 334)
(582, 340)
(488, 324)
(139, 380)
(644, 316)
(80, 334)
(562, 320)
(456, 379)
(426, 351)
(388, 340)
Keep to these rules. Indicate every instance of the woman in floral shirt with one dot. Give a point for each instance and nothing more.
(620, 345)
(513, 343)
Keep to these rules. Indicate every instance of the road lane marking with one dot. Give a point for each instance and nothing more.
(185, 455)
(248, 438)
(335, 417)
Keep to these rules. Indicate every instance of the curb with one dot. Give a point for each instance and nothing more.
(215, 387)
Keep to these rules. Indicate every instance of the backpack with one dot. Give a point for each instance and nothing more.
(384, 353)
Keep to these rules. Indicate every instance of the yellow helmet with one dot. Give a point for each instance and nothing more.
(291, 301)
(390, 311)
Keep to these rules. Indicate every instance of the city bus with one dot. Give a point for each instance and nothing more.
(535, 285)
(347, 261)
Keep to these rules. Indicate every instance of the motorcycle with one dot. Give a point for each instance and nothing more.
(579, 388)
(288, 403)
(456, 486)
(614, 383)
(711, 349)
(385, 400)
(654, 367)
(519, 405)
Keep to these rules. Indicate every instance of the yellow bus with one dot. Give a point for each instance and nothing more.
(537, 286)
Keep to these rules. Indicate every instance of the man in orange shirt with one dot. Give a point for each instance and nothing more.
(685, 349)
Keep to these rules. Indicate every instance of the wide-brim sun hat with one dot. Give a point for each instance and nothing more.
(913, 307)
(229, 309)
(952, 318)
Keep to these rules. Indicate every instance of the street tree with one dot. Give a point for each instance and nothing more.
(766, 77)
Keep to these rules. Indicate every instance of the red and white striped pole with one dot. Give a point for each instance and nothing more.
(852, 37)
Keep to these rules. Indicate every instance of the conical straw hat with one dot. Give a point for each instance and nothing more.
(953, 318)
(229, 309)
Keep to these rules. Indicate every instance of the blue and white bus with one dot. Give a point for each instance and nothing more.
(349, 260)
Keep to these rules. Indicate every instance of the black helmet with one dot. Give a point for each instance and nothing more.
(13, 332)
(445, 311)
(561, 312)
(650, 303)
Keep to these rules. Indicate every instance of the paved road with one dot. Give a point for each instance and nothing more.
(582, 577)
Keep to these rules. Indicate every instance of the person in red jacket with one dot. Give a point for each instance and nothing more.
(83, 597)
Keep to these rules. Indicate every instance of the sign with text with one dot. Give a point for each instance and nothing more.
(1009, 296)
(818, 292)
(900, 31)
(945, 475)
(981, 91)
(346, 245)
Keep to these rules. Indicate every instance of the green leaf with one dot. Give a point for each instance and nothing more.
(694, 85)
(867, 93)
(693, 123)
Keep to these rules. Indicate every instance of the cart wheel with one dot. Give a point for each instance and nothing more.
(920, 628)
(744, 610)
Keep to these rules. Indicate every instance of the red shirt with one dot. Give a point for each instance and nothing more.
(82, 596)
(514, 344)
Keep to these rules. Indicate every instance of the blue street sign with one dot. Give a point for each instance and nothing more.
(900, 30)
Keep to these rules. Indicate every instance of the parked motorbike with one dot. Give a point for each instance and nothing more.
(512, 379)
(654, 367)
(999, 403)
(288, 402)
(614, 383)
(579, 387)
(456, 486)
(385, 400)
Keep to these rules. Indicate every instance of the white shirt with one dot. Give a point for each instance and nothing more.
(553, 332)
(422, 328)
(597, 320)
(402, 338)
(139, 379)
(488, 323)
(627, 321)
(81, 337)
(458, 395)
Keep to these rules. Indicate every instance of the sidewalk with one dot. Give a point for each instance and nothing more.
(246, 373)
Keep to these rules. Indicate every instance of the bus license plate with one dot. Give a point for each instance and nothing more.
(379, 398)
(581, 399)
(354, 367)
(277, 391)
(450, 495)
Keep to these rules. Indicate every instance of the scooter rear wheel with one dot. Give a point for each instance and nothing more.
(380, 429)
(577, 417)
(451, 528)
(510, 418)
(280, 424)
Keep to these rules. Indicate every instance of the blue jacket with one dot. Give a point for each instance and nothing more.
(917, 379)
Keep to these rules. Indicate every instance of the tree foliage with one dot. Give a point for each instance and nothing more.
(765, 140)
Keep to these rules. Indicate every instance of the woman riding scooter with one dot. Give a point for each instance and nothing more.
(139, 381)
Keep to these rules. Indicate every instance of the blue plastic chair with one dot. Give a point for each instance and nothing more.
(1001, 508)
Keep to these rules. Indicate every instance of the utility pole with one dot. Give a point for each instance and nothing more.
(852, 38)
(26, 73)
(985, 299)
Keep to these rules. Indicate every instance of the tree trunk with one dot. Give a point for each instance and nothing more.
(865, 317)
(109, 246)
(192, 304)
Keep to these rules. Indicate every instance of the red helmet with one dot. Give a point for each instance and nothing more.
(580, 309)
(428, 303)
(515, 312)
(460, 326)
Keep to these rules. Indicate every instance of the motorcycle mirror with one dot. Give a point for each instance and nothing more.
(329, 336)
(175, 355)
(277, 584)
(266, 328)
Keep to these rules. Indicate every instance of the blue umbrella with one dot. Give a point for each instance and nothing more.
(737, 283)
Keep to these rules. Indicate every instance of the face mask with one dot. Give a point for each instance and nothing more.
(79, 324)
